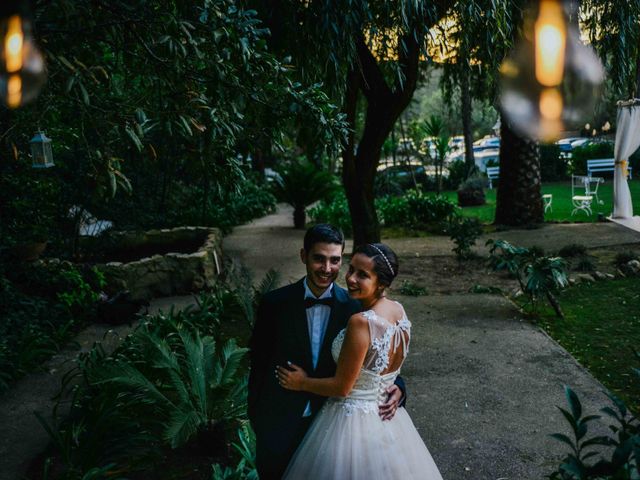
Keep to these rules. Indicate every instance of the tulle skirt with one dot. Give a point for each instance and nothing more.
(351, 442)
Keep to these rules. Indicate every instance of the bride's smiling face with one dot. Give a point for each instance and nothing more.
(361, 279)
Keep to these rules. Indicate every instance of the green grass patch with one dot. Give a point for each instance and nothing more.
(601, 328)
(561, 207)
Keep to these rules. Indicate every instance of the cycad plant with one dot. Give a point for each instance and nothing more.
(191, 381)
(302, 183)
(538, 276)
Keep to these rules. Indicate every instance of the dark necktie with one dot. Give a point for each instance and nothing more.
(312, 302)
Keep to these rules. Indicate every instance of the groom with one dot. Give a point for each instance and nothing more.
(297, 323)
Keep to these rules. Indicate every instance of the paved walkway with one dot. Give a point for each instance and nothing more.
(482, 382)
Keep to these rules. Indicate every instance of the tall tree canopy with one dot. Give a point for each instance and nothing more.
(368, 54)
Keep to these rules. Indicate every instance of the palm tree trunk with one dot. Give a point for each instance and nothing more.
(519, 198)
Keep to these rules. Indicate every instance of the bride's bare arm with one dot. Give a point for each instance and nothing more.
(354, 349)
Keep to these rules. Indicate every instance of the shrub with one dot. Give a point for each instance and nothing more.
(464, 231)
(580, 155)
(553, 167)
(457, 174)
(41, 307)
(573, 250)
(412, 289)
(471, 192)
(416, 210)
(586, 264)
(623, 258)
(334, 211)
(615, 456)
(538, 276)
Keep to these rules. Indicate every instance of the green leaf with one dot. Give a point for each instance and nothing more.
(134, 138)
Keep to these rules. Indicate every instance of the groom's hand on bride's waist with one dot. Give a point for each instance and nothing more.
(388, 409)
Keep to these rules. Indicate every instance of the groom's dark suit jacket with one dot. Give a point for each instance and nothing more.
(281, 334)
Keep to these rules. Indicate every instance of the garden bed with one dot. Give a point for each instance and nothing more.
(162, 262)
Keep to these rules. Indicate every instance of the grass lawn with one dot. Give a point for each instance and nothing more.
(601, 329)
(561, 206)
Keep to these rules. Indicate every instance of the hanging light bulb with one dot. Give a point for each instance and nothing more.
(550, 81)
(22, 68)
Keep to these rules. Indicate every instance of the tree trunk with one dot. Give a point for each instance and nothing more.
(384, 106)
(299, 216)
(636, 94)
(467, 130)
(364, 220)
(519, 198)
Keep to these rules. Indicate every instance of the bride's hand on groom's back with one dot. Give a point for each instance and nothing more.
(292, 377)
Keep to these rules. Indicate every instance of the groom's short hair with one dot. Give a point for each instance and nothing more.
(323, 233)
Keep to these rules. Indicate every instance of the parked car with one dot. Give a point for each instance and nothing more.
(486, 142)
(403, 175)
(457, 142)
(569, 143)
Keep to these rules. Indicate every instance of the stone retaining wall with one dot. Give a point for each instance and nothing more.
(171, 273)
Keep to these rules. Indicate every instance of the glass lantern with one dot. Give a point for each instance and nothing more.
(550, 81)
(41, 154)
(22, 66)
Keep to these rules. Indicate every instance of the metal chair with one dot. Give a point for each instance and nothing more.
(583, 191)
(547, 200)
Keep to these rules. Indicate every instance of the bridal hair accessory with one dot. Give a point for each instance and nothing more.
(385, 258)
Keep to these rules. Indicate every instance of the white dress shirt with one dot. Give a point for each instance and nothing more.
(317, 321)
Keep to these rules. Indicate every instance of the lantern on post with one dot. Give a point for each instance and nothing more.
(41, 154)
(22, 67)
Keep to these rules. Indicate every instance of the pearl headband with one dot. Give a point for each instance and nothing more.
(385, 258)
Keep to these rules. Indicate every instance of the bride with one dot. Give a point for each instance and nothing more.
(348, 439)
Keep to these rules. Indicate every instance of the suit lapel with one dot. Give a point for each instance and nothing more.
(300, 327)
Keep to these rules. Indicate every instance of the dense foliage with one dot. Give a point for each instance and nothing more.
(178, 380)
(414, 210)
(41, 307)
(168, 103)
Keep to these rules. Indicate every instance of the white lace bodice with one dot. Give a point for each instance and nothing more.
(369, 389)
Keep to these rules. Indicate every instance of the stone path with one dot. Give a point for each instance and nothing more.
(482, 382)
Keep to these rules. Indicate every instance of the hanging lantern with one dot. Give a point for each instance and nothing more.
(22, 67)
(551, 80)
(41, 154)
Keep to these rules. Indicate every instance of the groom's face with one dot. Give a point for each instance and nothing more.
(323, 261)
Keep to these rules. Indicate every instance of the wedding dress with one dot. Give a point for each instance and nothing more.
(348, 440)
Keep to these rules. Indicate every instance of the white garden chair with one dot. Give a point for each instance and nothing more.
(583, 190)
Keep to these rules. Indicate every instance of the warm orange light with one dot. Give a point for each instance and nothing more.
(13, 44)
(550, 43)
(14, 91)
(550, 103)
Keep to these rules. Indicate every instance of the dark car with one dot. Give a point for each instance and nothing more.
(398, 178)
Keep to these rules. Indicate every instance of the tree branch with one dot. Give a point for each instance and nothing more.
(373, 84)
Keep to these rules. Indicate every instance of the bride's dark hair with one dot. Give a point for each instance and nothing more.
(385, 261)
